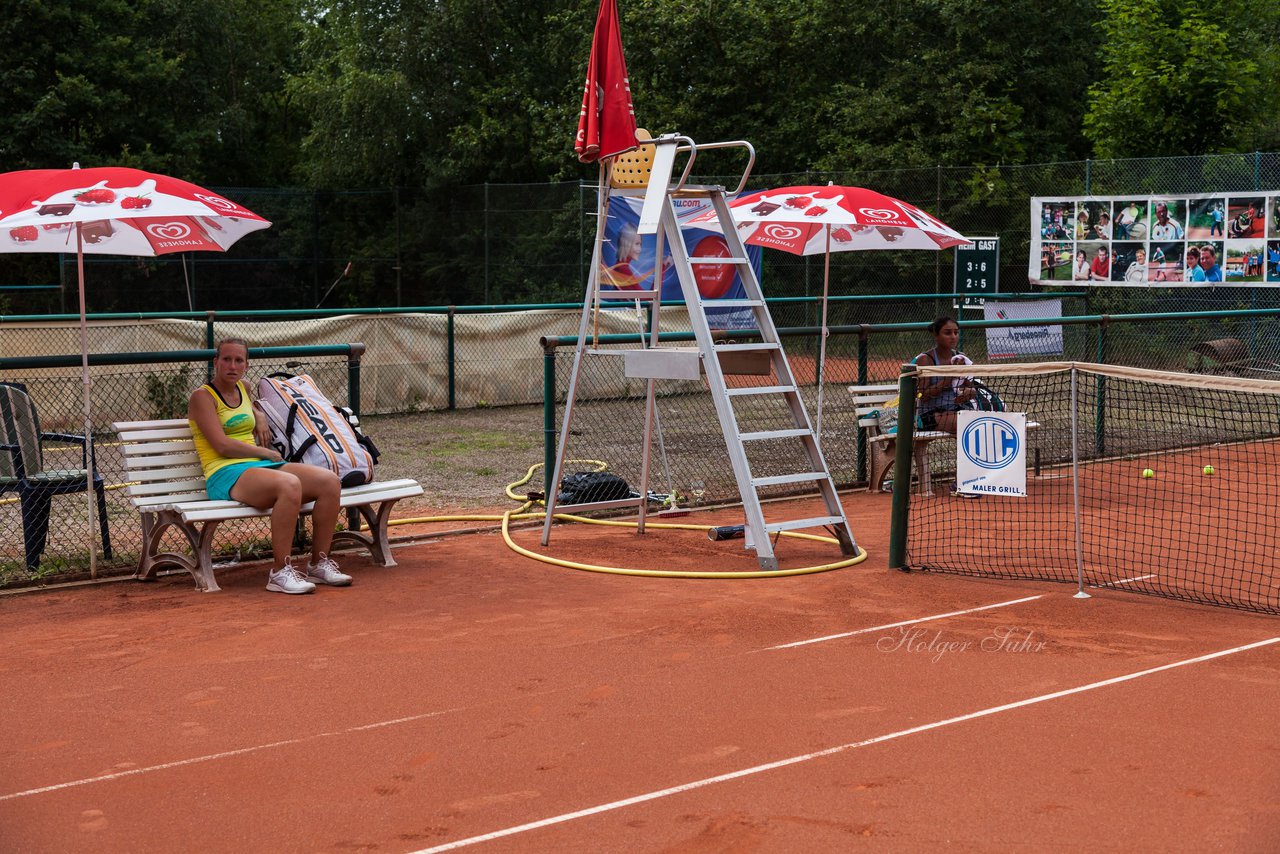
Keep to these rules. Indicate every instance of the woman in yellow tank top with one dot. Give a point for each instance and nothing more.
(232, 439)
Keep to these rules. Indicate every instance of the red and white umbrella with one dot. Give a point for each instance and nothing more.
(113, 211)
(116, 211)
(812, 220)
(799, 220)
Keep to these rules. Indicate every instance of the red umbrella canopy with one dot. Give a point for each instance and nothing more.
(796, 220)
(120, 211)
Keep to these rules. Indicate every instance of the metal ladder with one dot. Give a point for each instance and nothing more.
(713, 357)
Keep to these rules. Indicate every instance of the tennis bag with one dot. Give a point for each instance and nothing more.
(307, 428)
(985, 399)
(584, 487)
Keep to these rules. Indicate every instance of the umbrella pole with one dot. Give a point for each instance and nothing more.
(88, 408)
(822, 341)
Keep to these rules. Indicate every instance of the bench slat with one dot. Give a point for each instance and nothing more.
(155, 461)
(167, 479)
(150, 435)
(168, 487)
(161, 475)
(141, 449)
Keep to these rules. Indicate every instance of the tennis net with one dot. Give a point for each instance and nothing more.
(1137, 480)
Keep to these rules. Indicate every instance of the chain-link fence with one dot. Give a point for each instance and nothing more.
(525, 243)
(689, 455)
(45, 532)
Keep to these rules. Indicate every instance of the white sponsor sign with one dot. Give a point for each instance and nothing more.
(1007, 342)
(991, 452)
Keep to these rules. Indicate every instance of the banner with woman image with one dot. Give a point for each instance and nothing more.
(627, 260)
(1215, 240)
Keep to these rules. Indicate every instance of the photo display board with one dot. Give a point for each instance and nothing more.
(1218, 240)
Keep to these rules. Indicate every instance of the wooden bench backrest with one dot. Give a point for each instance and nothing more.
(161, 461)
(871, 398)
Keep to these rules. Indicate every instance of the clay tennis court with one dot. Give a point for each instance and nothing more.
(1182, 532)
(473, 699)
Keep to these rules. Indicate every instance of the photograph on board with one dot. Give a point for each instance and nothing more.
(1166, 262)
(1130, 220)
(1055, 261)
(1129, 262)
(1245, 218)
(1205, 219)
(1167, 218)
(1245, 261)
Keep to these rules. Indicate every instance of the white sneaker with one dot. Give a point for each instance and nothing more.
(287, 579)
(326, 572)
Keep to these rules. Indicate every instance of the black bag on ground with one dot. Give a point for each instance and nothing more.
(583, 487)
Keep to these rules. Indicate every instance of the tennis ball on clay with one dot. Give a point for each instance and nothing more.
(1208, 469)
(1148, 473)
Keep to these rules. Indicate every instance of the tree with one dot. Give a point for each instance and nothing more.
(1181, 77)
(158, 84)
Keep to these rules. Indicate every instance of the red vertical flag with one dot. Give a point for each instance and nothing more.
(607, 123)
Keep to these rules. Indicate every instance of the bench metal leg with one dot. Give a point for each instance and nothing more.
(922, 468)
(880, 455)
(376, 541)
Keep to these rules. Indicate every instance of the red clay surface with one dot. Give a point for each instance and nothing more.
(469, 691)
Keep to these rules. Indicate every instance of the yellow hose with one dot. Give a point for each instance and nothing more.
(521, 513)
(670, 573)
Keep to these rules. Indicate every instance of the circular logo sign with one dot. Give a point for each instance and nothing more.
(990, 443)
(879, 213)
(713, 280)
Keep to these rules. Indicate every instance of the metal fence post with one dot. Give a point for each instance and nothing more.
(353, 376)
(902, 468)
(1100, 407)
(353, 402)
(864, 344)
(209, 341)
(486, 244)
(453, 373)
(549, 435)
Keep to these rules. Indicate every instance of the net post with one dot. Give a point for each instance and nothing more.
(1075, 487)
(902, 468)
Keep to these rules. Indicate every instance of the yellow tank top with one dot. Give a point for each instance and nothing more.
(237, 422)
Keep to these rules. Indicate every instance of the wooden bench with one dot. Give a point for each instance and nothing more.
(881, 450)
(167, 487)
(869, 400)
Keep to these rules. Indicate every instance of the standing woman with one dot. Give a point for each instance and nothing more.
(942, 397)
(231, 436)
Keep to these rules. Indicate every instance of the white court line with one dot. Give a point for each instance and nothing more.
(795, 760)
(1124, 580)
(906, 622)
(195, 760)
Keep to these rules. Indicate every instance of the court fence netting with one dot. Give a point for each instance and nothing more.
(1140, 480)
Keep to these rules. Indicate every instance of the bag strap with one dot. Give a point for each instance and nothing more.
(295, 454)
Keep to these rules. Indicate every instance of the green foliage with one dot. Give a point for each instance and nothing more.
(167, 394)
(1183, 77)
(189, 89)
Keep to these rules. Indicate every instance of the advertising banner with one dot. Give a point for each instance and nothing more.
(627, 260)
(1008, 342)
(991, 453)
(1157, 241)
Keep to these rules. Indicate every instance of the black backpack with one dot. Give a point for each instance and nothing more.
(583, 487)
(985, 399)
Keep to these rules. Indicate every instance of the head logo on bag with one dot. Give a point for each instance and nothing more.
(307, 428)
